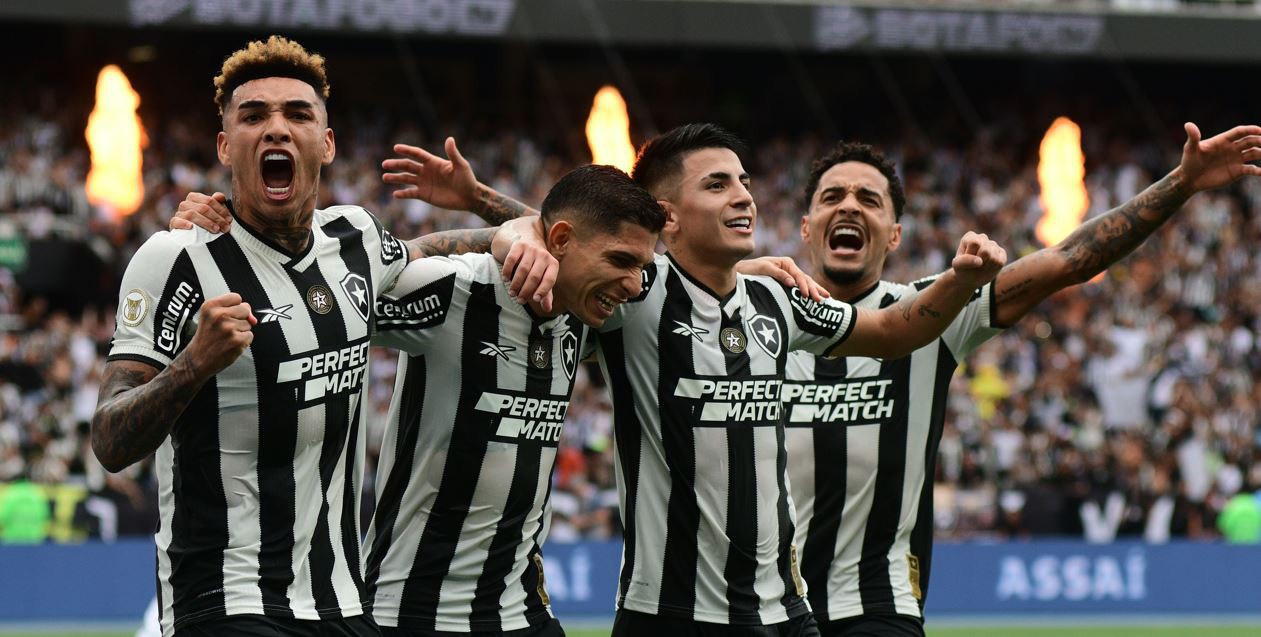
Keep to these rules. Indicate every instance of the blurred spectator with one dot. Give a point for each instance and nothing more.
(24, 513)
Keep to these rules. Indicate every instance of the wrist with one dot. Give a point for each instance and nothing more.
(1179, 183)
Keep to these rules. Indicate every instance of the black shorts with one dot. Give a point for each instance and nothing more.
(634, 624)
(550, 628)
(262, 626)
(874, 626)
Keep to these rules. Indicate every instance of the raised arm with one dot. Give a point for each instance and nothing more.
(920, 318)
(448, 183)
(1104, 240)
(138, 404)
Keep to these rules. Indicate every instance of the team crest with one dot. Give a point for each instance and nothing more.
(569, 353)
(540, 353)
(766, 334)
(732, 339)
(319, 299)
(356, 288)
(135, 307)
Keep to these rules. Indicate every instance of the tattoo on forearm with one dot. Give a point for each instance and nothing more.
(904, 306)
(927, 310)
(441, 244)
(1013, 291)
(496, 208)
(1116, 233)
(138, 416)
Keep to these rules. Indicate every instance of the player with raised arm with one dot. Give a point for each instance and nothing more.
(863, 433)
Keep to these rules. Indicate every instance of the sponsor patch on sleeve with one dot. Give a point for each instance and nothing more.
(825, 318)
(424, 308)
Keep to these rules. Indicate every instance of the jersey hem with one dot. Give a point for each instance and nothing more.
(792, 611)
(148, 357)
(850, 612)
(217, 613)
(515, 623)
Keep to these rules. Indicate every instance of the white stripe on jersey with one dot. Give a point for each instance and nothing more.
(462, 498)
(695, 383)
(867, 427)
(252, 539)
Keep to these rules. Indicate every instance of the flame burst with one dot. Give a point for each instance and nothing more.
(1061, 173)
(608, 130)
(116, 137)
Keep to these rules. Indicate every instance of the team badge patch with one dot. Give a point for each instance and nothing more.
(319, 299)
(391, 248)
(766, 334)
(540, 353)
(135, 307)
(569, 353)
(356, 289)
(732, 339)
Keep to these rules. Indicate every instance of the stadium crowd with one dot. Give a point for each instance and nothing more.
(1128, 406)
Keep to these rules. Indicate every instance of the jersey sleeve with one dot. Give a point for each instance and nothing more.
(975, 323)
(651, 274)
(158, 303)
(412, 313)
(816, 326)
(391, 256)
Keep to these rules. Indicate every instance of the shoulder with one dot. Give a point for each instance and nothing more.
(166, 245)
(356, 215)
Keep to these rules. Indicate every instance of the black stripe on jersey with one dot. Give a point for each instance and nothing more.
(502, 554)
(831, 447)
(355, 256)
(628, 439)
(741, 568)
(181, 299)
(199, 524)
(330, 330)
(465, 454)
(886, 505)
(922, 534)
(411, 405)
(766, 305)
(683, 517)
(277, 435)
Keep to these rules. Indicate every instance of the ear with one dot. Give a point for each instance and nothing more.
(560, 238)
(672, 218)
(895, 237)
(330, 147)
(221, 145)
(805, 228)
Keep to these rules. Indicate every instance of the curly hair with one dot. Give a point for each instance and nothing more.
(277, 57)
(855, 151)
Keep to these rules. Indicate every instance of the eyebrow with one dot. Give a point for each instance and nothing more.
(723, 176)
(862, 189)
(291, 104)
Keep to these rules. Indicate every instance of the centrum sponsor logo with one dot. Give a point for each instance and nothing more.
(751, 401)
(815, 313)
(860, 402)
(524, 417)
(327, 373)
(174, 314)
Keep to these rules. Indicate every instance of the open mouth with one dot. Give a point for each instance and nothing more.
(606, 303)
(846, 239)
(740, 223)
(277, 173)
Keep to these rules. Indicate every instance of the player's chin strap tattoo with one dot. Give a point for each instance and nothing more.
(441, 244)
(1107, 238)
(137, 408)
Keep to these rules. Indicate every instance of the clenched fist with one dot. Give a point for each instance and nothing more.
(224, 326)
(978, 260)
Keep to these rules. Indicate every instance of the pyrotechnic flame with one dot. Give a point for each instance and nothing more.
(608, 130)
(1061, 173)
(116, 138)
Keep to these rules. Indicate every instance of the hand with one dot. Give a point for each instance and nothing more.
(784, 270)
(530, 270)
(224, 326)
(1219, 160)
(207, 211)
(446, 183)
(978, 260)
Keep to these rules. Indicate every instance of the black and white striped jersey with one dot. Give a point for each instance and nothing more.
(695, 381)
(259, 480)
(862, 445)
(479, 402)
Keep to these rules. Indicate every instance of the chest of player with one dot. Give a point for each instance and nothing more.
(844, 392)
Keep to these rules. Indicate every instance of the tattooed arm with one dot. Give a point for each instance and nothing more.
(448, 183)
(441, 244)
(138, 405)
(1106, 239)
(920, 318)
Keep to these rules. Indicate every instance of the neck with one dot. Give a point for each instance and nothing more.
(291, 232)
(716, 274)
(844, 288)
(557, 308)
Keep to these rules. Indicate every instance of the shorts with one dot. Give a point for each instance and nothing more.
(874, 626)
(630, 623)
(263, 626)
(550, 628)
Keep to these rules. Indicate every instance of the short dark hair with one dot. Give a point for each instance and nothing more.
(277, 57)
(855, 151)
(661, 157)
(602, 198)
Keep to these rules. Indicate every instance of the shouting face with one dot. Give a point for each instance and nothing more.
(851, 226)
